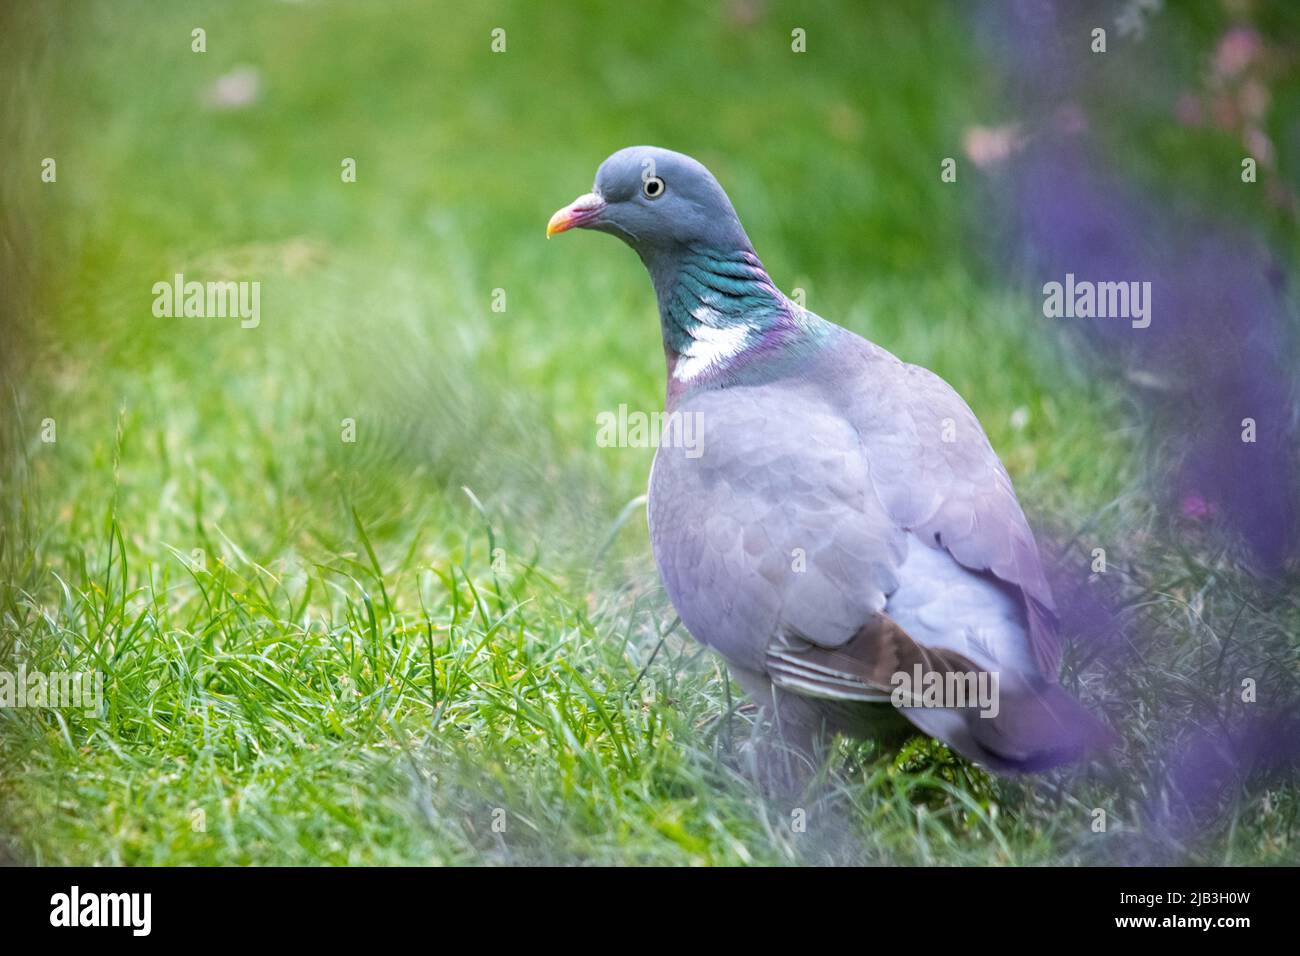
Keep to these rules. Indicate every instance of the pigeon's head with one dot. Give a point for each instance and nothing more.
(656, 201)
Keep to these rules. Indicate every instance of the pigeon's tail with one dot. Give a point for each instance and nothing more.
(1009, 722)
(1030, 728)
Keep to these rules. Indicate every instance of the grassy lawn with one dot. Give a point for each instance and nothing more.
(444, 641)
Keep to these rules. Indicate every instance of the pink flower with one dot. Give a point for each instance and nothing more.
(1253, 98)
(1259, 146)
(987, 145)
(1224, 110)
(1237, 50)
(1196, 507)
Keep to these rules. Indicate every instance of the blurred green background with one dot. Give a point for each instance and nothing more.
(351, 677)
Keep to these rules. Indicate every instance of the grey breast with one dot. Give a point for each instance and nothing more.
(770, 524)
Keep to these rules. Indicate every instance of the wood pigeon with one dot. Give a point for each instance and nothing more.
(841, 532)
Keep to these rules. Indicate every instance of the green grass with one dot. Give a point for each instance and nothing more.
(373, 664)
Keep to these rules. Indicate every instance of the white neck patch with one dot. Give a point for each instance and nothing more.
(710, 346)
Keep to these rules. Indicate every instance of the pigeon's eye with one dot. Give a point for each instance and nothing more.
(653, 187)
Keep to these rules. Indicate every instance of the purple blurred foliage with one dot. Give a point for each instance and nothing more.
(1209, 767)
(1088, 608)
(1213, 355)
(1216, 350)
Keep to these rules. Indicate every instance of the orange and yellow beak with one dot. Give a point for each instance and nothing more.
(577, 213)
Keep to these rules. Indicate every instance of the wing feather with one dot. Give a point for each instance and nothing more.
(937, 475)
